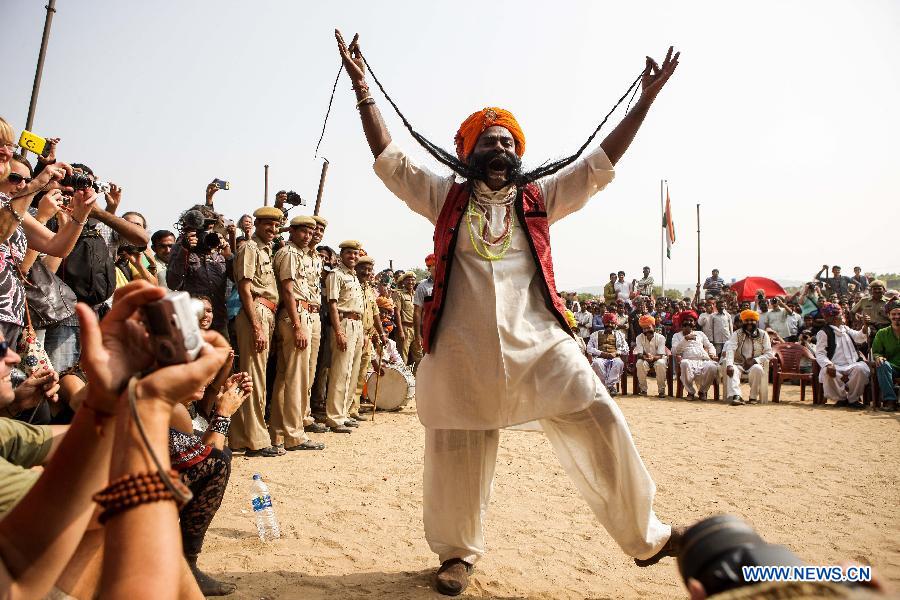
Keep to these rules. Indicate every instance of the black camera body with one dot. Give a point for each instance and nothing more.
(77, 181)
(294, 199)
(207, 240)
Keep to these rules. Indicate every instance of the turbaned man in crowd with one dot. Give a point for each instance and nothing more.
(498, 350)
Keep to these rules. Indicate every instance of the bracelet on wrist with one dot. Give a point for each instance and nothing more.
(219, 424)
(364, 101)
(19, 218)
(134, 489)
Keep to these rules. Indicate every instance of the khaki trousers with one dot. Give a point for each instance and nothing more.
(248, 424)
(364, 362)
(290, 402)
(344, 367)
(315, 341)
(403, 348)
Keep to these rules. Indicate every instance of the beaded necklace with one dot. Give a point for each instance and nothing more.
(478, 220)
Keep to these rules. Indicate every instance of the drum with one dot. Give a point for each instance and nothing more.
(395, 388)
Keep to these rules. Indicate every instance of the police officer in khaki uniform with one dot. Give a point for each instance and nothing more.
(404, 312)
(345, 307)
(371, 322)
(290, 402)
(318, 356)
(255, 324)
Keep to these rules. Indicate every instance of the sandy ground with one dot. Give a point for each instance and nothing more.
(823, 481)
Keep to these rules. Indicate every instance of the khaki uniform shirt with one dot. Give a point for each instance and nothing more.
(290, 263)
(370, 311)
(875, 310)
(404, 301)
(343, 285)
(313, 269)
(254, 262)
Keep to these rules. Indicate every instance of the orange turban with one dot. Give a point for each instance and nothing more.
(384, 303)
(474, 126)
(749, 315)
(646, 321)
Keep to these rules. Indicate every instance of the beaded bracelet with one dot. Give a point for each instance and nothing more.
(134, 489)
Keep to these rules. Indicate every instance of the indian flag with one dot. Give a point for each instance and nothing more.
(668, 226)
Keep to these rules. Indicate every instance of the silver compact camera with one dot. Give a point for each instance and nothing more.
(174, 326)
(101, 187)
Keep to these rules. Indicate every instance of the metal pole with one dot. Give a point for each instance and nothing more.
(380, 349)
(321, 186)
(36, 88)
(698, 253)
(662, 240)
(266, 189)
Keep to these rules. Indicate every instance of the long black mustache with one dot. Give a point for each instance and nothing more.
(479, 165)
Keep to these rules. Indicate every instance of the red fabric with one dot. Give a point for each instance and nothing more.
(746, 288)
(531, 210)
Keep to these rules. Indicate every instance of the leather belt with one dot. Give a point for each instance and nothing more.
(353, 316)
(267, 303)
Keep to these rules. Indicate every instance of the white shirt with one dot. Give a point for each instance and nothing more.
(759, 349)
(623, 290)
(777, 319)
(717, 326)
(499, 357)
(698, 348)
(584, 320)
(794, 323)
(845, 353)
(655, 345)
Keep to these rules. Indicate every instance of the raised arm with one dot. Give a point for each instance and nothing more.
(653, 80)
(373, 125)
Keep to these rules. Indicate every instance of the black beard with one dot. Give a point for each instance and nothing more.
(750, 329)
(477, 167)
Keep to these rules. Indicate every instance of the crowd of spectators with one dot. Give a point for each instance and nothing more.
(851, 310)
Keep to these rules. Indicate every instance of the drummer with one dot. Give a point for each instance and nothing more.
(372, 332)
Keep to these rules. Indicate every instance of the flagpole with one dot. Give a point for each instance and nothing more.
(698, 253)
(662, 240)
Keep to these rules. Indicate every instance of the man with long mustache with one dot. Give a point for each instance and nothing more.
(498, 350)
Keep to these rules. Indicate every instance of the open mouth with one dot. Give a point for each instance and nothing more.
(497, 166)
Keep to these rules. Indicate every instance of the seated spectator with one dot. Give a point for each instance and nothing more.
(650, 349)
(607, 347)
(844, 374)
(697, 356)
(886, 352)
(749, 351)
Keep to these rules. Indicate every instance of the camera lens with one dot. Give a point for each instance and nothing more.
(212, 240)
(77, 181)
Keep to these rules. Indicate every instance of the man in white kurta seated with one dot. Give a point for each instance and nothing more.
(498, 350)
(697, 355)
(843, 374)
(606, 349)
(650, 348)
(749, 351)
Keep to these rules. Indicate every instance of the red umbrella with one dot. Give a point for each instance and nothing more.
(746, 288)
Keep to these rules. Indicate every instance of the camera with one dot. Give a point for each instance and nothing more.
(77, 181)
(194, 220)
(133, 250)
(221, 184)
(174, 327)
(294, 199)
(101, 187)
(716, 549)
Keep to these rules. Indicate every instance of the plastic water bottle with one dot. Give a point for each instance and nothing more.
(263, 513)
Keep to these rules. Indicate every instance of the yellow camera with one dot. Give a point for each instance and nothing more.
(34, 143)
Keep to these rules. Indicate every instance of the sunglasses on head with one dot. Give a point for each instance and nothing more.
(17, 179)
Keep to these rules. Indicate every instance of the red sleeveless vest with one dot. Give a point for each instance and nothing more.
(530, 208)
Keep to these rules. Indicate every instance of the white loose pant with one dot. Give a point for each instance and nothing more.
(698, 374)
(755, 375)
(835, 387)
(659, 368)
(609, 370)
(595, 448)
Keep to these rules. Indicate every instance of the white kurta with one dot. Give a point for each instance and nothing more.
(525, 367)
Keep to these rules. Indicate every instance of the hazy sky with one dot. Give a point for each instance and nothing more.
(781, 121)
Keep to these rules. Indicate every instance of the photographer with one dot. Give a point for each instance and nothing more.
(200, 262)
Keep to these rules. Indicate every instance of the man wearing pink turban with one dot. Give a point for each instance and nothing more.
(697, 354)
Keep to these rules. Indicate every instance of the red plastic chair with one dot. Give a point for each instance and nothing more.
(786, 365)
